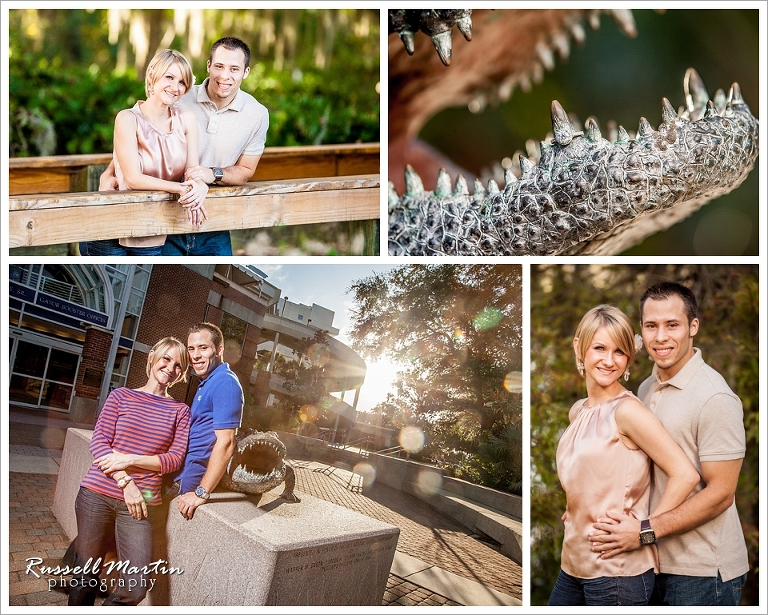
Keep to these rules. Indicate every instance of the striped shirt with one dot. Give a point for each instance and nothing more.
(138, 423)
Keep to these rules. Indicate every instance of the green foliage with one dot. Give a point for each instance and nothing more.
(728, 339)
(68, 75)
(456, 332)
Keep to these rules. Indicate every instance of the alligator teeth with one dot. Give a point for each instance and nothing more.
(442, 43)
(668, 113)
(413, 183)
(734, 96)
(526, 167)
(593, 130)
(443, 184)
(545, 55)
(465, 27)
(625, 21)
(696, 95)
(408, 41)
(461, 187)
(645, 130)
(561, 125)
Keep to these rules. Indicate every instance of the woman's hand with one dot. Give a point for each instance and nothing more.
(135, 501)
(113, 462)
(192, 200)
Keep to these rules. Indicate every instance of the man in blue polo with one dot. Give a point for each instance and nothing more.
(216, 413)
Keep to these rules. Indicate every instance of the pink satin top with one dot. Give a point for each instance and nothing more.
(599, 473)
(161, 154)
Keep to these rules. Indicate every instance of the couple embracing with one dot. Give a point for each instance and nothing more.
(141, 436)
(183, 138)
(650, 480)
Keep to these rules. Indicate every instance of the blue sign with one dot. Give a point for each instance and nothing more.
(71, 309)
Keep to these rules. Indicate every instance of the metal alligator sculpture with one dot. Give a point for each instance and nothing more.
(579, 193)
(259, 465)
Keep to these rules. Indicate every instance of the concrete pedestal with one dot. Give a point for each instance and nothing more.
(240, 551)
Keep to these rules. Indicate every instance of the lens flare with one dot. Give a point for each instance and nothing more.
(308, 413)
(513, 382)
(459, 334)
(367, 471)
(319, 355)
(429, 482)
(411, 438)
(487, 319)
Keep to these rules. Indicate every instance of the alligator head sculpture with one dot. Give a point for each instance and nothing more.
(258, 465)
(576, 194)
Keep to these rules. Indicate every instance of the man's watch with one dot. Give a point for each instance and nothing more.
(218, 174)
(647, 535)
(123, 482)
(202, 493)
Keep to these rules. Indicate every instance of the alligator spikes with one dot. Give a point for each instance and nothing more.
(464, 25)
(493, 187)
(645, 130)
(711, 110)
(413, 183)
(526, 167)
(443, 183)
(460, 188)
(509, 176)
(696, 95)
(442, 43)
(593, 131)
(623, 135)
(668, 113)
(409, 41)
(392, 197)
(734, 96)
(720, 101)
(561, 125)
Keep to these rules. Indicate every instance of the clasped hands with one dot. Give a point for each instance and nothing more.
(615, 533)
(192, 199)
(134, 499)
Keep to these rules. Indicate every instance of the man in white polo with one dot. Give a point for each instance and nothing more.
(232, 132)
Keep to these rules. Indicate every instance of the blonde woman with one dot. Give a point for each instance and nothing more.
(155, 142)
(140, 435)
(604, 463)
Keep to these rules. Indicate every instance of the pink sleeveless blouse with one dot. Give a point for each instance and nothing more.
(161, 154)
(598, 473)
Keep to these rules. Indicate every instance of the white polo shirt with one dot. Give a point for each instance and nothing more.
(228, 133)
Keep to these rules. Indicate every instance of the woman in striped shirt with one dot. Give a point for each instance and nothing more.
(140, 435)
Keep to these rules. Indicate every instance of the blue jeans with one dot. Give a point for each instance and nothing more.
(213, 243)
(112, 247)
(100, 520)
(603, 591)
(681, 590)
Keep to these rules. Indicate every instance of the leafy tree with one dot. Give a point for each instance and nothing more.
(456, 332)
(728, 338)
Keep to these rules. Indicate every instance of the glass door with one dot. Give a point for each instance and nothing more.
(42, 376)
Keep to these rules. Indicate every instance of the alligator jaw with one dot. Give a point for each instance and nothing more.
(587, 195)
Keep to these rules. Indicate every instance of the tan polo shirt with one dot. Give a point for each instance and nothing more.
(703, 415)
(226, 134)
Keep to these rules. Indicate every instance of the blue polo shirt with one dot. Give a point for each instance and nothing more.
(218, 404)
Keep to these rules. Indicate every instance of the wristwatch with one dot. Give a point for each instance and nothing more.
(647, 535)
(202, 493)
(123, 482)
(218, 174)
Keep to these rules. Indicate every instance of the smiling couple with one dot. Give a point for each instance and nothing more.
(650, 480)
(183, 138)
(142, 435)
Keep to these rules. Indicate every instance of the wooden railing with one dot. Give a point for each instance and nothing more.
(292, 185)
(53, 174)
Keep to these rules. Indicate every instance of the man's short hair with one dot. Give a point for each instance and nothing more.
(217, 337)
(665, 290)
(232, 43)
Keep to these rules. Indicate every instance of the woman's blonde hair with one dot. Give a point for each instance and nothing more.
(161, 348)
(160, 65)
(616, 322)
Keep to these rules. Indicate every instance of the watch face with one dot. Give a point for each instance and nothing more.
(647, 537)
